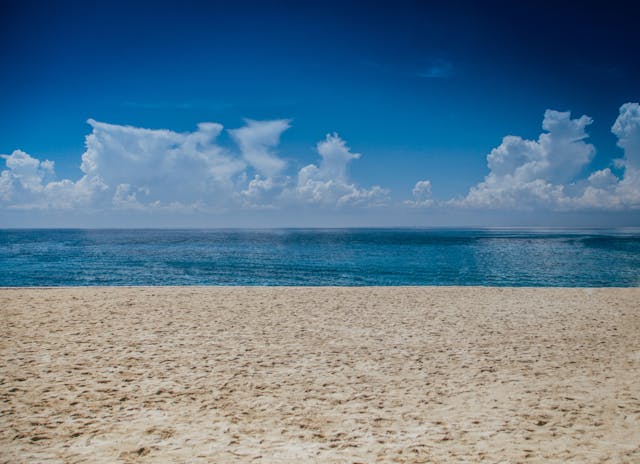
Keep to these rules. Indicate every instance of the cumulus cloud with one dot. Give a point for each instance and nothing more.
(128, 167)
(421, 194)
(604, 189)
(627, 129)
(28, 183)
(24, 175)
(132, 168)
(328, 183)
(159, 168)
(262, 192)
(529, 174)
(603, 178)
(257, 140)
(422, 189)
(626, 192)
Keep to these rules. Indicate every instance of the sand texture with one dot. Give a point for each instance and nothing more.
(320, 375)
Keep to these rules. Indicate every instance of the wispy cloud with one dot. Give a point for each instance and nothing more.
(257, 140)
(438, 69)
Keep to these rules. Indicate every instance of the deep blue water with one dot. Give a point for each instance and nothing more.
(320, 257)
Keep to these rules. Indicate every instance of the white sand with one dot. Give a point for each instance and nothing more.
(320, 375)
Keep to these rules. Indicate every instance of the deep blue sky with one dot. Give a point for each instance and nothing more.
(421, 89)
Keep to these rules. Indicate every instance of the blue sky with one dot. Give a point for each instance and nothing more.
(423, 91)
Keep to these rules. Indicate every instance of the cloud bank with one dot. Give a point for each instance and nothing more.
(126, 168)
(131, 168)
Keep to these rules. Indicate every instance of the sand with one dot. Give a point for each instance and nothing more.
(319, 375)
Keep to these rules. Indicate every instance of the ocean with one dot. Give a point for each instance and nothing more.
(341, 257)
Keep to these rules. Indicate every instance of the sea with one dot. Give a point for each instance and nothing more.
(312, 257)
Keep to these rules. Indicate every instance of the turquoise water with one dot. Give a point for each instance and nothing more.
(320, 257)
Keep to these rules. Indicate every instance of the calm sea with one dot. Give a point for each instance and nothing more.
(320, 257)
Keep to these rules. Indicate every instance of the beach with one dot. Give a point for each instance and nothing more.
(319, 374)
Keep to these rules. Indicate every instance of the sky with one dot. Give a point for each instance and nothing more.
(325, 114)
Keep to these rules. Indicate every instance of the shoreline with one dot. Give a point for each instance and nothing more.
(322, 374)
(400, 287)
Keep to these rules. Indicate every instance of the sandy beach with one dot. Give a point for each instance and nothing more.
(374, 374)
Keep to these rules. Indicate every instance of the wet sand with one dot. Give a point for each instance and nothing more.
(447, 374)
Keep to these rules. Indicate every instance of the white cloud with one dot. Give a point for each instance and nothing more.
(328, 183)
(529, 173)
(335, 156)
(557, 156)
(627, 129)
(421, 194)
(607, 191)
(603, 178)
(24, 174)
(422, 190)
(257, 140)
(28, 183)
(262, 192)
(131, 168)
(128, 167)
(158, 168)
(65, 194)
(532, 174)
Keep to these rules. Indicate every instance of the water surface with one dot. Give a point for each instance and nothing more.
(582, 258)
